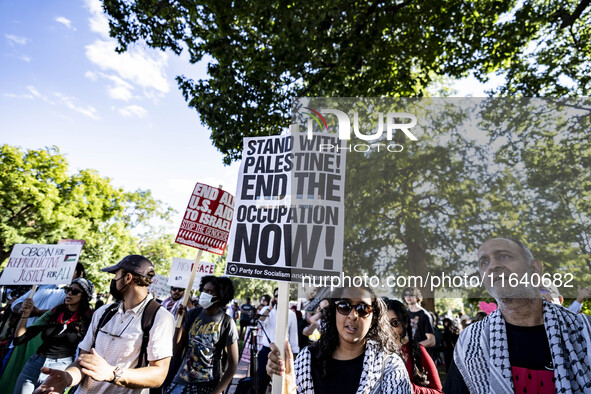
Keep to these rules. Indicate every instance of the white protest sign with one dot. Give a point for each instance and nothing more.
(289, 208)
(41, 265)
(180, 272)
(159, 286)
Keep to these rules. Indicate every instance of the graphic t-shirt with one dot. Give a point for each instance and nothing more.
(247, 312)
(531, 360)
(421, 325)
(208, 336)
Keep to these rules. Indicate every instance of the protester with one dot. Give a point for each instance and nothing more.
(419, 364)
(247, 313)
(356, 352)
(268, 321)
(115, 351)
(61, 328)
(449, 338)
(233, 310)
(206, 334)
(45, 298)
(264, 301)
(420, 319)
(528, 344)
(174, 300)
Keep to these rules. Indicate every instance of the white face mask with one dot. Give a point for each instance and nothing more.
(205, 300)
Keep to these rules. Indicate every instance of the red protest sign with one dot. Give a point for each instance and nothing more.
(207, 220)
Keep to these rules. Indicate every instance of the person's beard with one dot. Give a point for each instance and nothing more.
(117, 294)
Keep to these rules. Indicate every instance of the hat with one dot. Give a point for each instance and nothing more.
(86, 286)
(134, 263)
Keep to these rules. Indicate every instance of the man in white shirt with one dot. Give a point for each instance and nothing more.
(267, 323)
(110, 355)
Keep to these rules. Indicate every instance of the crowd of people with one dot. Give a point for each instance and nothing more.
(349, 340)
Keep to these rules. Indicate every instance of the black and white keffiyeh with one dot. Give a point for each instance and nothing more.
(482, 355)
(382, 372)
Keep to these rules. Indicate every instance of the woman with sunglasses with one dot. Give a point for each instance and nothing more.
(356, 352)
(419, 364)
(61, 328)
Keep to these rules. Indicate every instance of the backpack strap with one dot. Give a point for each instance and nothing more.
(107, 315)
(148, 317)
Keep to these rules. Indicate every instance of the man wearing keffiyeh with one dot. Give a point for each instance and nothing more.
(528, 345)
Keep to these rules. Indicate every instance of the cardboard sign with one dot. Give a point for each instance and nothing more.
(180, 272)
(159, 286)
(41, 265)
(207, 220)
(289, 212)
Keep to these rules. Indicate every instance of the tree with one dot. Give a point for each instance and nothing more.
(40, 203)
(265, 53)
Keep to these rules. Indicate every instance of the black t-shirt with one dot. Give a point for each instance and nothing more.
(530, 358)
(421, 325)
(342, 376)
(57, 341)
(247, 312)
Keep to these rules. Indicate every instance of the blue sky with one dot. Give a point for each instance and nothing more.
(63, 84)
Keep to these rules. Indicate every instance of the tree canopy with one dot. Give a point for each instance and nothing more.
(40, 202)
(263, 54)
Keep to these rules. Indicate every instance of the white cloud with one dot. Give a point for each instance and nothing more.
(98, 21)
(16, 40)
(65, 21)
(25, 58)
(70, 102)
(120, 89)
(91, 75)
(18, 96)
(135, 65)
(35, 93)
(133, 110)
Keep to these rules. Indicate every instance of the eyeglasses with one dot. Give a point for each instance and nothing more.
(408, 295)
(177, 289)
(70, 289)
(395, 322)
(345, 307)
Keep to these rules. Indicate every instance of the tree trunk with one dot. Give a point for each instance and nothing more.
(417, 266)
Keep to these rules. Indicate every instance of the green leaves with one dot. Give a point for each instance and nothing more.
(41, 203)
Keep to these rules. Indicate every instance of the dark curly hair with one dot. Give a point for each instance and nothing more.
(380, 331)
(224, 288)
(142, 281)
(419, 375)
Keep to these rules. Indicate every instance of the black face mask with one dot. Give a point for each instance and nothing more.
(116, 293)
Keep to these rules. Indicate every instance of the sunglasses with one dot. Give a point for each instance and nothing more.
(69, 289)
(345, 307)
(275, 295)
(177, 289)
(395, 322)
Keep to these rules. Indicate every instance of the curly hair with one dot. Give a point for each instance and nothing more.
(419, 375)
(142, 281)
(224, 288)
(380, 331)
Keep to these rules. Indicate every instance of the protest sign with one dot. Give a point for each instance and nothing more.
(159, 286)
(289, 211)
(180, 272)
(207, 220)
(40, 264)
